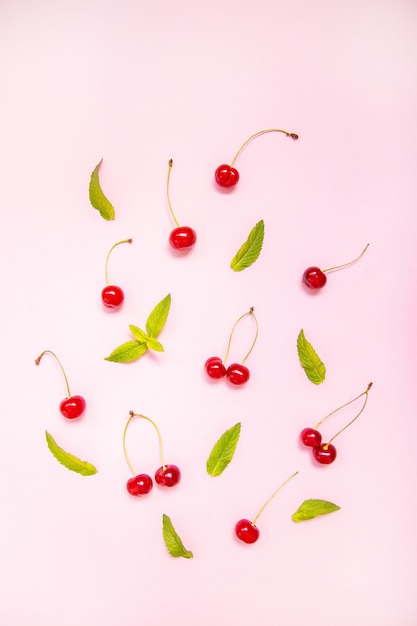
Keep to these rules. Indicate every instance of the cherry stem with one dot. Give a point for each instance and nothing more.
(38, 360)
(273, 496)
(338, 267)
(161, 451)
(108, 255)
(168, 198)
(262, 132)
(351, 422)
(250, 312)
(342, 407)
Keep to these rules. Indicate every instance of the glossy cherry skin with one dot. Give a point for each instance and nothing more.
(168, 476)
(139, 485)
(72, 407)
(182, 238)
(325, 453)
(314, 278)
(246, 531)
(112, 297)
(310, 437)
(226, 176)
(215, 368)
(237, 374)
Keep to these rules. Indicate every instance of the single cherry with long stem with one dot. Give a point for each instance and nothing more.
(182, 237)
(247, 531)
(236, 373)
(227, 175)
(167, 475)
(325, 453)
(71, 407)
(315, 278)
(113, 296)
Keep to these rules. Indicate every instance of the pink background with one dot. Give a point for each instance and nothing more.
(137, 83)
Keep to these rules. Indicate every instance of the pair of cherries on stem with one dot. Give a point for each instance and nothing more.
(314, 278)
(112, 296)
(226, 175)
(325, 453)
(70, 407)
(165, 476)
(236, 373)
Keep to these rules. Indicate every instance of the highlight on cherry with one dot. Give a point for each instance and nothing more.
(112, 296)
(182, 237)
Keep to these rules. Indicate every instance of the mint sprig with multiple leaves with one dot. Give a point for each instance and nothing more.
(310, 509)
(132, 350)
(310, 361)
(173, 541)
(250, 250)
(223, 451)
(68, 460)
(97, 197)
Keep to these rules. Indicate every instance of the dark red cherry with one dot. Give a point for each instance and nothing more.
(182, 238)
(215, 368)
(139, 485)
(72, 407)
(325, 453)
(112, 297)
(246, 531)
(168, 475)
(314, 278)
(226, 176)
(237, 374)
(310, 437)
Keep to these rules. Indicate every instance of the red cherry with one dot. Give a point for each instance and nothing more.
(246, 531)
(237, 374)
(226, 176)
(182, 238)
(314, 278)
(310, 437)
(215, 368)
(139, 485)
(112, 297)
(72, 407)
(325, 453)
(168, 475)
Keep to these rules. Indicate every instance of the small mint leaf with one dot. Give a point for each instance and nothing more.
(250, 250)
(223, 451)
(310, 361)
(310, 509)
(157, 318)
(97, 197)
(127, 352)
(68, 460)
(153, 344)
(172, 540)
(138, 333)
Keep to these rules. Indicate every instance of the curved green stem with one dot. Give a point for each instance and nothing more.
(108, 255)
(342, 407)
(354, 419)
(38, 360)
(161, 451)
(273, 496)
(168, 198)
(250, 312)
(262, 132)
(338, 267)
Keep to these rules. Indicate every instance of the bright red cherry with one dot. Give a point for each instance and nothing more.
(72, 407)
(182, 237)
(215, 368)
(112, 297)
(325, 453)
(310, 437)
(246, 531)
(139, 485)
(168, 476)
(314, 278)
(237, 374)
(226, 176)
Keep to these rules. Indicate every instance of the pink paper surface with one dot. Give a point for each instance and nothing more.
(135, 84)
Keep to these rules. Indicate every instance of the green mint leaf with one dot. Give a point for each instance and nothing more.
(127, 352)
(172, 540)
(223, 451)
(310, 361)
(310, 509)
(153, 344)
(250, 250)
(97, 197)
(69, 461)
(157, 318)
(138, 333)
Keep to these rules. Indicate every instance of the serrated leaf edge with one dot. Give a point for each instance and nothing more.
(304, 348)
(172, 540)
(332, 509)
(74, 464)
(101, 203)
(254, 240)
(230, 438)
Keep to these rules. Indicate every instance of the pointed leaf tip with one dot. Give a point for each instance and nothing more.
(223, 451)
(172, 540)
(249, 251)
(68, 460)
(97, 198)
(311, 363)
